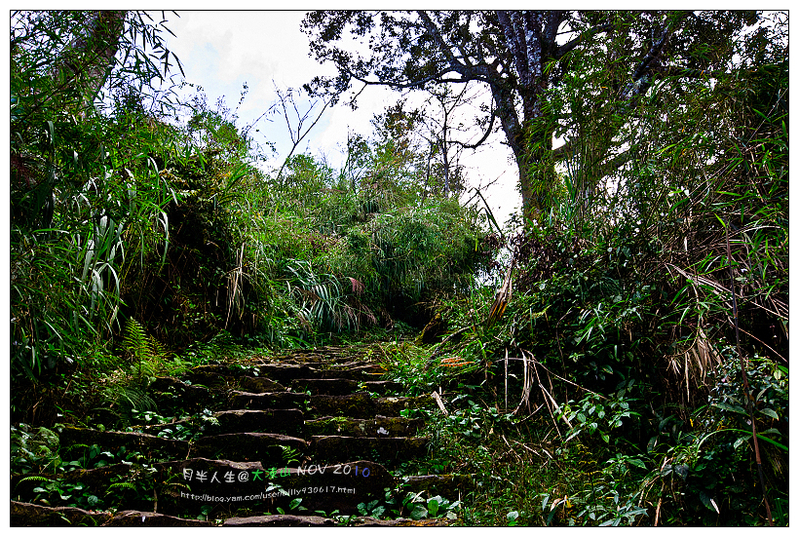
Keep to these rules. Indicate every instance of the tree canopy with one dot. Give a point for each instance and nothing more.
(523, 56)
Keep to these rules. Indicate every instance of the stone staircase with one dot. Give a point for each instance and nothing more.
(296, 441)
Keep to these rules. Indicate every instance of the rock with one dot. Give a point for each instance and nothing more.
(113, 441)
(384, 449)
(276, 420)
(377, 426)
(132, 518)
(27, 514)
(280, 520)
(260, 385)
(264, 447)
(264, 401)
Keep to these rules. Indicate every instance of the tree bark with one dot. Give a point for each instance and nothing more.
(88, 60)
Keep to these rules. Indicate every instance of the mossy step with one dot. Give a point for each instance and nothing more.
(274, 420)
(382, 386)
(355, 405)
(318, 521)
(241, 400)
(259, 385)
(267, 448)
(383, 449)
(329, 386)
(31, 515)
(392, 406)
(223, 488)
(146, 444)
(209, 372)
(178, 389)
(286, 372)
(377, 426)
(225, 377)
(366, 371)
(342, 386)
(450, 486)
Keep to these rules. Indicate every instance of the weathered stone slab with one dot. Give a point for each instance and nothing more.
(377, 426)
(280, 520)
(356, 405)
(265, 401)
(285, 373)
(112, 441)
(328, 386)
(223, 486)
(132, 518)
(274, 420)
(28, 514)
(260, 385)
(368, 371)
(208, 373)
(392, 406)
(449, 486)
(384, 449)
(264, 447)
(382, 386)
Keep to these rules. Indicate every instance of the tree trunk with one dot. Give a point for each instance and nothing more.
(86, 63)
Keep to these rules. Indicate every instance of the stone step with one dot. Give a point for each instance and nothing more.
(269, 400)
(343, 386)
(450, 486)
(223, 488)
(28, 514)
(377, 426)
(330, 386)
(319, 521)
(273, 420)
(267, 448)
(386, 450)
(147, 444)
(355, 405)
(285, 373)
(31, 515)
(278, 436)
(239, 487)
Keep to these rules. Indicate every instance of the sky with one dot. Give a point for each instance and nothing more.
(222, 50)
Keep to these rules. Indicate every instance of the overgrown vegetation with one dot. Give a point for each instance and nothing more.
(632, 368)
(643, 351)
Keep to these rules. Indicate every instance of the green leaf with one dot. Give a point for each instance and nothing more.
(418, 512)
(432, 506)
(770, 413)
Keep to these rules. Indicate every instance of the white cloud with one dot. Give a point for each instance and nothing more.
(221, 50)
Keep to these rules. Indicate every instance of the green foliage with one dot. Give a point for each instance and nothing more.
(85, 194)
(607, 387)
(412, 505)
(145, 351)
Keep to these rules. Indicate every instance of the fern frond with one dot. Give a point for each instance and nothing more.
(121, 485)
(37, 478)
(135, 340)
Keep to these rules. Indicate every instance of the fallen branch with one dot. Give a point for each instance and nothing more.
(440, 403)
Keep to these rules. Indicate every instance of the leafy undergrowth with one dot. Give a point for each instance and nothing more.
(579, 463)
